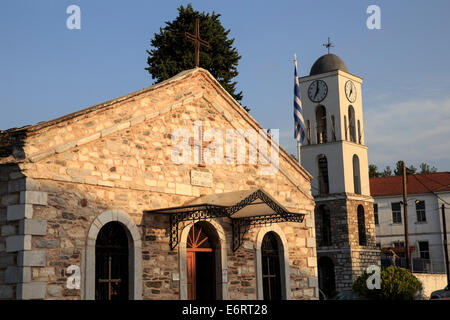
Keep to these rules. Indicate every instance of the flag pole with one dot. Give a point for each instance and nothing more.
(298, 152)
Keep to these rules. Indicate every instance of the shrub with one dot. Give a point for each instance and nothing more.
(396, 284)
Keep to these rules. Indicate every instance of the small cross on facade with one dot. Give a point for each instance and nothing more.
(197, 41)
(328, 45)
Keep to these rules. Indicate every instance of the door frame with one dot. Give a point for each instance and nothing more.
(220, 256)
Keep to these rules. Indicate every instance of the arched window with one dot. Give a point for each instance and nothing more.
(111, 263)
(351, 120)
(356, 175)
(345, 127)
(271, 276)
(359, 132)
(361, 226)
(325, 226)
(326, 275)
(308, 131)
(323, 174)
(321, 124)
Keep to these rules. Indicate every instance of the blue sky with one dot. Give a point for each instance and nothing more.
(48, 70)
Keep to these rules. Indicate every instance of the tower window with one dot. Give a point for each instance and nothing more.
(323, 175)
(359, 132)
(361, 226)
(333, 128)
(356, 175)
(308, 131)
(375, 213)
(321, 124)
(351, 120)
(345, 127)
(325, 227)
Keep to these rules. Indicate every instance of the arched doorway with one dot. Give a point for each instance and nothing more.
(327, 283)
(271, 276)
(112, 263)
(201, 248)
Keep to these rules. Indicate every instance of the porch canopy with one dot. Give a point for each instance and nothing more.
(245, 208)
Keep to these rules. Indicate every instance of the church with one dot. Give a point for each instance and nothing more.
(134, 198)
(334, 152)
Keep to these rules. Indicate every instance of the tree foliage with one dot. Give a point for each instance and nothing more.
(396, 284)
(398, 171)
(172, 52)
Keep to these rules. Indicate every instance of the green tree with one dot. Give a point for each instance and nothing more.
(373, 171)
(387, 172)
(425, 168)
(396, 284)
(172, 52)
(398, 171)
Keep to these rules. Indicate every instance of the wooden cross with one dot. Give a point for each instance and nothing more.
(109, 280)
(328, 45)
(197, 41)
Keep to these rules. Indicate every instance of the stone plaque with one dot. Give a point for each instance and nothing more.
(201, 178)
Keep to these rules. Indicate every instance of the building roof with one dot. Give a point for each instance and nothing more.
(416, 184)
(327, 63)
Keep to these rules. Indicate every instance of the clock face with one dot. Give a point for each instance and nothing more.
(317, 90)
(350, 91)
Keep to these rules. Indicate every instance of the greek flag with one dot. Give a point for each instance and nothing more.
(299, 125)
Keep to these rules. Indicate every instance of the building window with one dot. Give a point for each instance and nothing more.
(361, 226)
(351, 124)
(420, 211)
(356, 175)
(378, 245)
(325, 228)
(321, 124)
(375, 213)
(396, 212)
(271, 275)
(323, 174)
(424, 250)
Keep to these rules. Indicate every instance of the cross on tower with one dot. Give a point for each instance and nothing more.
(110, 281)
(328, 45)
(197, 41)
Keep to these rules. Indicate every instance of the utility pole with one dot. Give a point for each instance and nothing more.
(405, 213)
(447, 266)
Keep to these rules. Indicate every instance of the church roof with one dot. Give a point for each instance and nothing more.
(327, 63)
(13, 141)
(416, 184)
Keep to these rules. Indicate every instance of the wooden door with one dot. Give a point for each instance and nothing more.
(191, 275)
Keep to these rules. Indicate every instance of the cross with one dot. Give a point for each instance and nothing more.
(328, 45)
(109, 280)
(199, 145)
(197, 41)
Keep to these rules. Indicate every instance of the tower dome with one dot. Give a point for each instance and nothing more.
(327, 63)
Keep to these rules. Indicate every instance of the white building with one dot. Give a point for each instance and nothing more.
(426, 194)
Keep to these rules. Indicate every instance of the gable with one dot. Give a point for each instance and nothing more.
(178, 102)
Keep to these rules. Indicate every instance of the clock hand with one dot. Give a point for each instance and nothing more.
(317, 89)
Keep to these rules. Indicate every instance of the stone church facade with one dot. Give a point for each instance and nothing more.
(96, 197)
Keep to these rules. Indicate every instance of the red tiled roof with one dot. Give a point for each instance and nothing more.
(416, 184)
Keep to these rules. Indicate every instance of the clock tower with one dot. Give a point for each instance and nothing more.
(334, 152)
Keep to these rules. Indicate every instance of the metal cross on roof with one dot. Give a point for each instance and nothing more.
(197, 41)
(328, 45)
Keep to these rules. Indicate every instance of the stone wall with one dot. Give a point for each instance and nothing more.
(118, 157)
